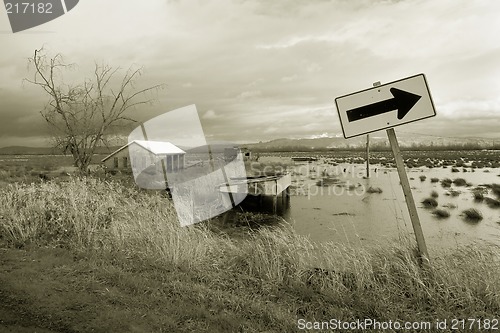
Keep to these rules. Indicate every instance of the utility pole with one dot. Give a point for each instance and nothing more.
(375, 84)
(368, 156)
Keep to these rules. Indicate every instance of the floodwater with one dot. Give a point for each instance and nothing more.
(345, 212)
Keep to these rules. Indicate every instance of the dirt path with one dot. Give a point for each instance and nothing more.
(53, 290)
(23, 285)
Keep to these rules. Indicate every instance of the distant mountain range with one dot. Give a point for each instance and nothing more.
(21, 150)
(406, 141)
(381, 143)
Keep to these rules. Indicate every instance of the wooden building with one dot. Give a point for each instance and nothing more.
(141, 154)
(277, 185)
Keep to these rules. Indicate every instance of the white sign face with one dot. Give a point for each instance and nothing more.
(389, 105)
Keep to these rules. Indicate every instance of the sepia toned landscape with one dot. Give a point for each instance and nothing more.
(95, 253)
(250, 166)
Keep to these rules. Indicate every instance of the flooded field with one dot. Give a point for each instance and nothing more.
(334, 201)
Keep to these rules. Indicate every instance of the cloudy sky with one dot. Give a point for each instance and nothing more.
(260, 70)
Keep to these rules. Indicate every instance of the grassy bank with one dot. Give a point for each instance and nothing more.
(88, 254)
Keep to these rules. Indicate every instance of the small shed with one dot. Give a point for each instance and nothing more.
(141, 154)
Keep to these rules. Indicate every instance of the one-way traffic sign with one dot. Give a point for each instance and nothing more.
(385, 106)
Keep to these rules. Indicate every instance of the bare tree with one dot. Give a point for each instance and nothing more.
(83, 115)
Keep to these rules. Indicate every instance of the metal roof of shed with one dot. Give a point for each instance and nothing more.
(155, 147)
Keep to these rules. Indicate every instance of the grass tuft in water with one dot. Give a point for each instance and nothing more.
(446, 182)
(441, 213)
(459, 182)
(495, 189)
(472, 214)
(373, 189)
(453, 193)
(478, 195)
(492, 203)
(429, 202)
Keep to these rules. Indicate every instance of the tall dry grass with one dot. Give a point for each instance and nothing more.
(383, 282)
(87, 213)
(73, 213)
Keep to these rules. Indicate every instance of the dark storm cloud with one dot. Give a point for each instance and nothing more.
(20, 116)
(259, 70)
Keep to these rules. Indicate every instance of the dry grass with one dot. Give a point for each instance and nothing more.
(270, 277)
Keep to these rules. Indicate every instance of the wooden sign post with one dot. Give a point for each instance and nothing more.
(410, 203)
(374, 109)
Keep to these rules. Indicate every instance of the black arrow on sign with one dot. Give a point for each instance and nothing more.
(403, 101)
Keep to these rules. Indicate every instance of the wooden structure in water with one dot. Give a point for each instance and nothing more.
(304, 159)
(276, 186)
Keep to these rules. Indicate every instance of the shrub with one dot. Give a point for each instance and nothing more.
(478, 195)
(434, 194)
(446, 182)
(495, 188)
(453, 193)
(492, 203)
(459, 182)
(434, 180)
(481, 189)
(472, 214)
(441, 213)
(429, 202)
(374, 190)
(423, 178)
